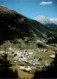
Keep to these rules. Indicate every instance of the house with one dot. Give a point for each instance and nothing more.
(1, 52)
(30, 61)
(30, 53)
(52, 56)
(10, 48)
(27, 68)
(22, 67)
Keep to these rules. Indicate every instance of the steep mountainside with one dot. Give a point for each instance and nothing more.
(50, 23)
(15, 26)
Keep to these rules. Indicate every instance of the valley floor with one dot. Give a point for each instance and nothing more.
(26, 62)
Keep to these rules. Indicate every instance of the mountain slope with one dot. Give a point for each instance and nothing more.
(50, 23)
(15, 26)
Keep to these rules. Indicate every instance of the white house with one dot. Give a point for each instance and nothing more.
(52, 56)
(27, 68)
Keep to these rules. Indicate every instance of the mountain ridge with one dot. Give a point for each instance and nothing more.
(50, 23)
(15, 26)
(42, 19)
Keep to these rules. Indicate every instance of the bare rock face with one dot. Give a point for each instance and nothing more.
(3, 9)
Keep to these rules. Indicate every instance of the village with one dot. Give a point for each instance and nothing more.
(28, 57)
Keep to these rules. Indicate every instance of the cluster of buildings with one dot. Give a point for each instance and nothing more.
(27, 56)
(27, 68)
(41, 50)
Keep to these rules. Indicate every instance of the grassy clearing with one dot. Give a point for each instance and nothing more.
(21, 73)
(10, 56)
(43, 54)
(33, 70)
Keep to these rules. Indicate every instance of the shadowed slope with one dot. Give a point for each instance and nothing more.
(15, 26)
